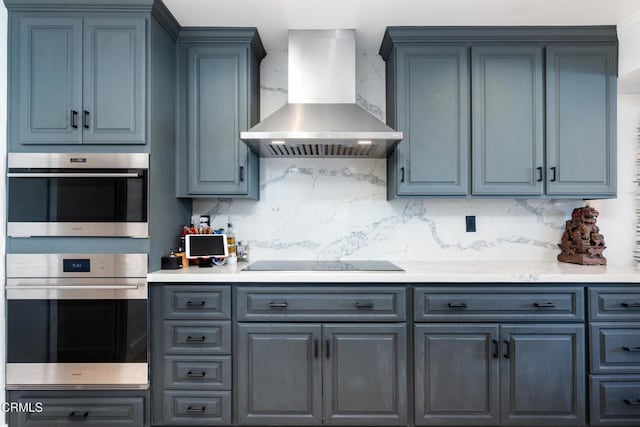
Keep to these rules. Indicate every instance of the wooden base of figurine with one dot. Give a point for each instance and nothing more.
(582, 259)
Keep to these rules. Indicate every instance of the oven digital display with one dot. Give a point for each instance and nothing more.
(76, 265)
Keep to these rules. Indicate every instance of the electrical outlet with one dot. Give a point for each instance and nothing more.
(471, 223)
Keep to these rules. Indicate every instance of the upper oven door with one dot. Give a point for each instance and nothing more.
(92, 198)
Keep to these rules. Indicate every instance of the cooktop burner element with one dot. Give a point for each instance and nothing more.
(322, 266)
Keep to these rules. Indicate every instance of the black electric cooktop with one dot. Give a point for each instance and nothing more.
(322, 266)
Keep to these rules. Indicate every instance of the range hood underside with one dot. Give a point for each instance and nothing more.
(321, 130)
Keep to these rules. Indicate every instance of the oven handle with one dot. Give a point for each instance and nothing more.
(71, 175)
(79, 287)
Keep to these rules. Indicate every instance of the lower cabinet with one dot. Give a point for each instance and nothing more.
(494, 374)
(191, 361)
(342, 374)
(85, 408)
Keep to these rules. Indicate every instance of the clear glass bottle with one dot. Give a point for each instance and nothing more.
(231, 240)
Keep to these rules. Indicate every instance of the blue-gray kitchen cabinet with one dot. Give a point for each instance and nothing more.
(218, 97)
(581, 120)
(279, 374)
(508, 122)
(77, 78)
(428, 100)
(90, 408)
(542, 375)
(191, 361)
(537, 111)
(457, 380)
(479, 367)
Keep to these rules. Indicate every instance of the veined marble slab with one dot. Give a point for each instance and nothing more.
(416, 272)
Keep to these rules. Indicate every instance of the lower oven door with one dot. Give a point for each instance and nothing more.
(76, 333)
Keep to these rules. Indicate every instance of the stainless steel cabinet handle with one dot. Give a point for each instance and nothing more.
(71, 175)
(278, 304)
(78, 287)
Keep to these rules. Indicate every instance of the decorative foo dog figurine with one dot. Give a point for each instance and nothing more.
(582, 242)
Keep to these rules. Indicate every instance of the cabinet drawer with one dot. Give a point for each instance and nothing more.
(615, 401)
(614, 304)
(193, 337)
(197, 302)
(493, 303)
(615, 348)
(93, 412)
(197, 372)
(196, 408)
(321, 303)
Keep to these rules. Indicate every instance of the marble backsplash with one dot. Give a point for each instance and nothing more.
(337, 208)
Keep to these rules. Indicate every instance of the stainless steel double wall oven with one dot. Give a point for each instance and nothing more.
(77, 194)
(76, 320)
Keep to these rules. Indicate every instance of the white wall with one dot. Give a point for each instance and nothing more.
(336, 208)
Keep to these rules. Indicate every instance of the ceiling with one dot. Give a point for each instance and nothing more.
(370, 17)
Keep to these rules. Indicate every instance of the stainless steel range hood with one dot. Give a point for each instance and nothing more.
(322, 118)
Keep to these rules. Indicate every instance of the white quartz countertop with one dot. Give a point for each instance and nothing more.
(415, 272)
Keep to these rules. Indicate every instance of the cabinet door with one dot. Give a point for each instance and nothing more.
(508, 122)
(45, 90)
(543, 375)
(581, 120)
(279, 374)
(216, 112)
(365, 374)
(456, 375)
(432, 110)
(114, 102)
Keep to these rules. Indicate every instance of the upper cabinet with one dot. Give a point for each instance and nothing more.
(502, 111)
(581, 120)
(429, 102)
(77, 78)
(218, 97)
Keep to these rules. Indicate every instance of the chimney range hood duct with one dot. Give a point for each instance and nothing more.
(321, 118)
